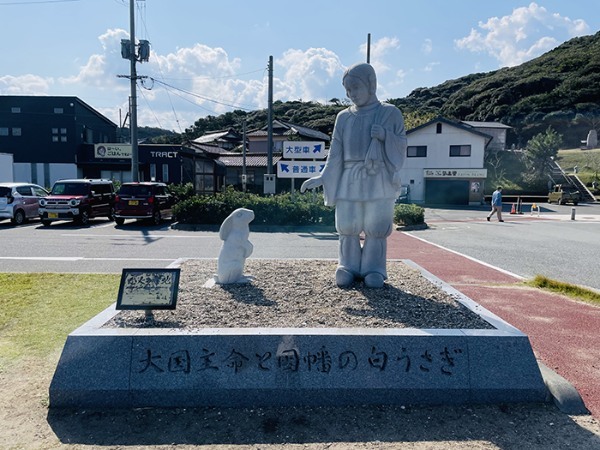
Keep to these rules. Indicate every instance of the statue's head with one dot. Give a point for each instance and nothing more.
(363, 72)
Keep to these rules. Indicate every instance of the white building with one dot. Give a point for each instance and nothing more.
(444, 163)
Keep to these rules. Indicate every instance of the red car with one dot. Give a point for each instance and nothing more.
(144, 200)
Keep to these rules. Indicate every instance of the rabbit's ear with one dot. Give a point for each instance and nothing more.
(226, 228)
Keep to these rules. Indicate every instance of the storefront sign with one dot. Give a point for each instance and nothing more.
(114, 151)
(455, 173)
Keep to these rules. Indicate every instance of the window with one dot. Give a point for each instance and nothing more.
(24, 190)
(152, 172)
(58, 111)
(39, 191)
(165, 173)
(416, 151)
(15, 109)
(16, 131)
(56, 137)
(3, 131)
(438, 128)
(204, 183)
(460, 150)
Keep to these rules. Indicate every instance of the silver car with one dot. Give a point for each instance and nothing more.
(19, 201)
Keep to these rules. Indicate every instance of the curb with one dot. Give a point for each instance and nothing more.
(565, 396)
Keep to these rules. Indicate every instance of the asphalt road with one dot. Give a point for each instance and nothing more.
(525, 245)
(105, 248)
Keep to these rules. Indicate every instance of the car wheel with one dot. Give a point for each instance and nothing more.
(46, 223)
(119, 221)
(84, 217)
(156, 218)
(111, 214)
(574, 203)
(19, 218)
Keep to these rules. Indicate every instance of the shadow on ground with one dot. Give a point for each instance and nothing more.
(531, 426)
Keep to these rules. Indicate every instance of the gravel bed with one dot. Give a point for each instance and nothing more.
(303, 294)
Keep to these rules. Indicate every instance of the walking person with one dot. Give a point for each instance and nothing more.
(496, 204)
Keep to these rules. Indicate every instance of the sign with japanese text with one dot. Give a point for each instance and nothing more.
(299, 169)
(148, 289)
(115, 151)
(304, 150)
(455, 173)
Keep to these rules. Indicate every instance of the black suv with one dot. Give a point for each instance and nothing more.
(79, 200)
(146, 200)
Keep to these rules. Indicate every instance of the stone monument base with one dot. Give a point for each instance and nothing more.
(251, 367)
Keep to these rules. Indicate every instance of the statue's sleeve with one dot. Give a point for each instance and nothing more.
(334, 166)
(395, 137)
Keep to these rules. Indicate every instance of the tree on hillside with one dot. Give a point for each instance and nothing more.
(539, 149)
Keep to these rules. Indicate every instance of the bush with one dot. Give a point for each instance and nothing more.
(182, 191)
(409, 214)
(281, 209)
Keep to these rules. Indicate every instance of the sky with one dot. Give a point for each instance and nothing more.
(210, 57)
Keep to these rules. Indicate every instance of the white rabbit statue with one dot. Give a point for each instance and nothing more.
(234, 233)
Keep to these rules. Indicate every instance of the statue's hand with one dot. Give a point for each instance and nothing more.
(378, 132)
(311, 183)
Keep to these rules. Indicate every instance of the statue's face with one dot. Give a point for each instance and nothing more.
(357, 91)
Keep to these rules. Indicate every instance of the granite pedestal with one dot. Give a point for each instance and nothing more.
(250, 367)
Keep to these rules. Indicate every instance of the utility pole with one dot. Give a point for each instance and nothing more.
(269, 178)
(128, 51)
(244, 175)
(270, 119)
(135, 165)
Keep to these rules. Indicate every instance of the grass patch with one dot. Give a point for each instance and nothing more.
(39, 310)
(570, 290)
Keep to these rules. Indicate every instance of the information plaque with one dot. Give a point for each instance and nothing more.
(148, 289)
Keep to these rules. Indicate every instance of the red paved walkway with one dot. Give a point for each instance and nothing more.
(565, 334)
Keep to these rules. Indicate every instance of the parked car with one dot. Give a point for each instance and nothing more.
(404, 196)
(19, 201)
(564, 194)
(79, 200)
(144, 200)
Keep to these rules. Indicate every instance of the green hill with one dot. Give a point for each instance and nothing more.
(560, 89)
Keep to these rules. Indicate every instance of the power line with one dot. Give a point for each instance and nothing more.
(249, 108)
(235, 75)
(36, 2)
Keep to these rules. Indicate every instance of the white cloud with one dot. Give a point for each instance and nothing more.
(429, 67)
(427, 46)
(25, 85)
(192, 82)
(313, 74)
(525, 34)
(379, 51)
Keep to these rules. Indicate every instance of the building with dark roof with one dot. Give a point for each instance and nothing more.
(44, 135)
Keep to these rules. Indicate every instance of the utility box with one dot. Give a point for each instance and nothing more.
(269, 187)
(6, 167)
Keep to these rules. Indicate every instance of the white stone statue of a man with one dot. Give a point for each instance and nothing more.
(361, 178)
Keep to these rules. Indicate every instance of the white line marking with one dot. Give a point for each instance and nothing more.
(78, 258)
(123, 236)
(478, 261)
